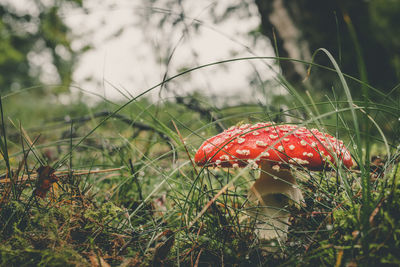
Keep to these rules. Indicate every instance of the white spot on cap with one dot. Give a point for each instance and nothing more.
(224, 157)
(310, 155)
(280, 148)
(257, 125)
(265, 154)
(298, 161)
(286, 139)
(313, 144)
(240, 140)
(303, 143)
(244, 126)
(218, 162)
(292, 147)
(207, 146)
(256, 133)
(261, 143)
(273, 136)
(243, 152)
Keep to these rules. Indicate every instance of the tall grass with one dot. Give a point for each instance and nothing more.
(128, 194)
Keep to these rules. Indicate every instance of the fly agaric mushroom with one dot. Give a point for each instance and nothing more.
(273, 148)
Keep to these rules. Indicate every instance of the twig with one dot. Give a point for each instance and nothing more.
(198, 257)
(105, 113)
(33, 174)
(194, 105)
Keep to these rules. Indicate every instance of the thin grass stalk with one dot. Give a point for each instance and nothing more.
(3, 140)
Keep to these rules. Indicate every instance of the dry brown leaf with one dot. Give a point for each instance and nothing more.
(97, 261)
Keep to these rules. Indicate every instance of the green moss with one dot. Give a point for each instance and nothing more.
(63, 257)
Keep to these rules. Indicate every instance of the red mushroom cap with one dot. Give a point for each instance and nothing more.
(287, 144)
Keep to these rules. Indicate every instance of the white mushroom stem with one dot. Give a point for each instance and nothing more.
(273, 192)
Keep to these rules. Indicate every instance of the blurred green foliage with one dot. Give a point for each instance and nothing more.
(34, 42)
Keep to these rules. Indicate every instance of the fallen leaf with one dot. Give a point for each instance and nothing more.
(46, 178)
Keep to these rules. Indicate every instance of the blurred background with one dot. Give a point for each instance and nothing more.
(90, 53)
(104, 47)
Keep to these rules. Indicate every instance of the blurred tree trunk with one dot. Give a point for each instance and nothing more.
(363, 36)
